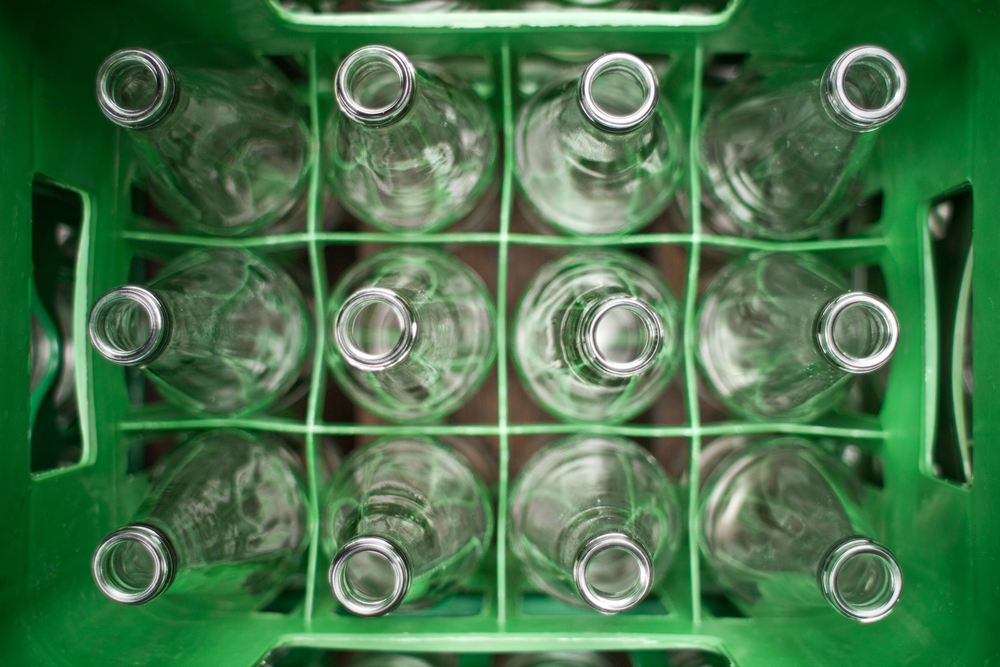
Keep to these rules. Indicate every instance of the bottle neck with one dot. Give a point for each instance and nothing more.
(375, 86)
(129, 326)
(864, 88)
(857, 332)
(618, 93)
(135, 564)
(370, 576)
(136, 89)
(611, 336)
(613, 572)
(375, 329)
(861, 579)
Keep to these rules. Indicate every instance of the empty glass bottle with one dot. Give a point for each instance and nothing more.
(596, 336)
(594, 521)
(224, 523)
(781, 150)
(226, 152)
(410, 333)
(404, 522)
(781, 337)
(409, 150)
(219, 331)
(602, 154)
(783, 529)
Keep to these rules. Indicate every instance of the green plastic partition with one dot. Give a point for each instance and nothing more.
(946, 137)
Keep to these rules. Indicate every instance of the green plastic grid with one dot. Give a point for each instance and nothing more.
(313, 239)
(499, 626)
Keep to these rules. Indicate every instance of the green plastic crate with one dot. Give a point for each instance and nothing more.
(946, 137)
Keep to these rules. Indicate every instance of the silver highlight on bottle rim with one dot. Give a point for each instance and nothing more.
(628, 64)
(848, 112)
(371, 62)
(114, 75)
(358, 602)
(106, 565)
(105, 329)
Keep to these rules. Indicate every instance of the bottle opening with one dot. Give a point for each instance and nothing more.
(865, 582)
(369, 576)
(858, 332)
(131, 567)
(128, 326)
(865, 87)
(375, 329)
(613, 573)
(622, 336)
(135, 88)
(862, 580)
(618, 92)
(868, 84)
(374, 85)
(134, 564)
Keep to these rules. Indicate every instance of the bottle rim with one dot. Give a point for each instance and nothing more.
(633, 594)
(349, 313)
(161, 552)
(646, 315)
(845, 111)
(833, 568)
(114, 68)
(882, 319)
(362, 62)
(102, 332)
(353, 601)
(627, 63)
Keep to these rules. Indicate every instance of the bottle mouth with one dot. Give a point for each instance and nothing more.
(128, 326)
(375, 85)
(861, 579)
(375, 329)
(864, 88)
(622, 335)
(370, 576)
(618, 92)
(613, 573)
(135, 88)
(134, 564)
(857, 332)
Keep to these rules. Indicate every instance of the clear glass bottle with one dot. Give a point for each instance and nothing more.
(600, 154)
(410, 333)
(782, 149)
(596, 336)
(219, 331)
(226, 152)
(404, 521)
(410, 151)
(784, 529)
(224, 523)
(781, 337)
(594, 521)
